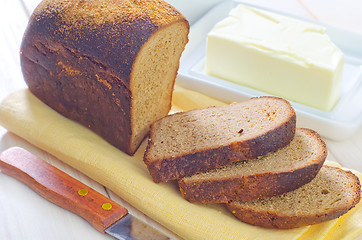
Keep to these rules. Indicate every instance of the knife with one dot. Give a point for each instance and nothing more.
(67, 192)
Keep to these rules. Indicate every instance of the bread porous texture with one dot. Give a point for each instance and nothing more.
(332, 193)
(273, 174)
(109, 65)
(154, 77)
(200, 140)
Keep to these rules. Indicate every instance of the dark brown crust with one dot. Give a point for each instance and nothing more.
(77, 57)
(101, 35)
(273, 220)
(165, 169)
(247, 188)
(270, 219)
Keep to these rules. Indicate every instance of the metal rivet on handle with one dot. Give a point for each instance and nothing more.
(107, 206)
(83, 192)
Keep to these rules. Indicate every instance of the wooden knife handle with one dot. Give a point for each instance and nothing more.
(60, 188)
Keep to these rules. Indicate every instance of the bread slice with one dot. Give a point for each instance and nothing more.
(109, 65)
(200, 140)
(282, 171)
(331, 194)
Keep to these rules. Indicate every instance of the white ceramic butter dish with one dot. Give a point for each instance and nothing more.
(338, 124)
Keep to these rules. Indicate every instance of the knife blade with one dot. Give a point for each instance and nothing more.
(67, 192)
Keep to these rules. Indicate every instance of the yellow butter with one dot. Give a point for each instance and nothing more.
(278, 55)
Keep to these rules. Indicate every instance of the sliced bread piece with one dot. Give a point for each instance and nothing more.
(331, 194)
(200, 140)
(282, 171)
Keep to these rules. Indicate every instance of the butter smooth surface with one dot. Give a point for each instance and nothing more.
(128, 177)
(278, 55)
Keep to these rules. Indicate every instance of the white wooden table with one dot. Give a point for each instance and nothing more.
(25, 215)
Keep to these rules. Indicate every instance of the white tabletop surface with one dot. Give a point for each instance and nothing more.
(26, 215)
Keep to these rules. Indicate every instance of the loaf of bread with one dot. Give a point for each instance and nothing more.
(329, 195)
(200, 140)
(109, 65)
(276, 173)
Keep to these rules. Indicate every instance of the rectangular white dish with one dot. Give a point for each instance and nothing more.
(339, 124)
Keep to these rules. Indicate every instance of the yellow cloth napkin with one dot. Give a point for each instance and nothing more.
(128, 177)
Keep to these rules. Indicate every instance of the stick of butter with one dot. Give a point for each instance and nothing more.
(278, 55)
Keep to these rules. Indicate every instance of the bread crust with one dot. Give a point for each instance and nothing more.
(187, 164)
(77, 57)
(250, 187)
(274, 220)
(253, 186)
(277, 219)
(106, 31)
